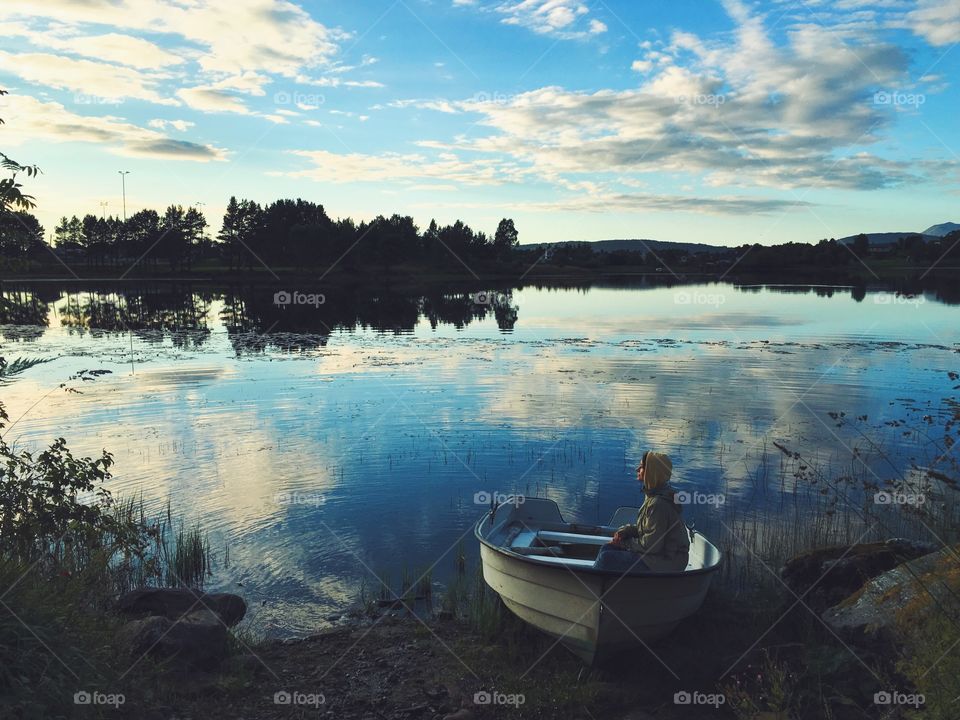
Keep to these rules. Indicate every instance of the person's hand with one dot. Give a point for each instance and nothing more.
(618, 539)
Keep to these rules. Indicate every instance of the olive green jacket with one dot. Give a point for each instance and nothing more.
(660, 536)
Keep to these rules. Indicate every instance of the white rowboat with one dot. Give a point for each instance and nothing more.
(543, 570)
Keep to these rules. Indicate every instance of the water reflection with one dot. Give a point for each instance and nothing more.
(182, 313)
(317, 442)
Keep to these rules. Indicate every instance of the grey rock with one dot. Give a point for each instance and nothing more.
(196, 640)
(870, 615)
(838, 571)
(173, 603)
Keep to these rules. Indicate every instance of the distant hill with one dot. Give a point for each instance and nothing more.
(887, 238)
(637, 246)
(942, 229)
(931, 234)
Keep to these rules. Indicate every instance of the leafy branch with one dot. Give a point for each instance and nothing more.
(11, 194)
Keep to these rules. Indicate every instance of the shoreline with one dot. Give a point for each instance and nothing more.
(403, 275)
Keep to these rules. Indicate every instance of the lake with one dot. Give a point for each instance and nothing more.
(323, 442)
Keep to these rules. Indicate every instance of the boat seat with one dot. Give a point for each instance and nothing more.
(573, 538)
(524, 539)
(574, 562)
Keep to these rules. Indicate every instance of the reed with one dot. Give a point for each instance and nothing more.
(172, 554)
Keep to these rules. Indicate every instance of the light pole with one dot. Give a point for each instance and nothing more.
(123, 182)
(103, 210)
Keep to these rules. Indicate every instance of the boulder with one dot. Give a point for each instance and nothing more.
(196, 640)
(841, 570)
(885, 608)
(173, 603)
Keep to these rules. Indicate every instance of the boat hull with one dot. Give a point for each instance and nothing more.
(595, 614)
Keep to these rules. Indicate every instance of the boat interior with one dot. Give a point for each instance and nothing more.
(549, 539)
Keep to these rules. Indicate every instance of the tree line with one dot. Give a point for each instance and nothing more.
(285, 233)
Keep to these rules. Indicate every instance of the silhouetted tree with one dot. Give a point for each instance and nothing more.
(861, 245)
(506, 238)
(21, 235)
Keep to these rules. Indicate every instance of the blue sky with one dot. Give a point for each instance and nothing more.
(698, 120)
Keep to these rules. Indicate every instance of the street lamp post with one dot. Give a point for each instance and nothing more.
(123, 182)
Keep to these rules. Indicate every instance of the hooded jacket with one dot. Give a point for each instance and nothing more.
(660, 535)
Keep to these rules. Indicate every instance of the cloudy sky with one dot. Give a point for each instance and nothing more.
(721, 121)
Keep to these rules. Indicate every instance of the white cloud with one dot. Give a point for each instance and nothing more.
(223, 95)
(235, 48)
(360, 167)
(121, 49)
(51, 122)
(97, 80)
(207, 98)
(181, 125)
(444, 106)
(110, 47)
(248, 83)
(937, 21)
(565, 19)
(234, 36)
(740, 111)
(337, 82)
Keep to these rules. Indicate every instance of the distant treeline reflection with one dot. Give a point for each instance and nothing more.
(183, 313)
(255, 320)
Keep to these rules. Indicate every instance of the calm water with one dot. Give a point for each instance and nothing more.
(324, 444)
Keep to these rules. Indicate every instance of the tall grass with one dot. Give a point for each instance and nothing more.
(177, 555)
(819, 506)
(57, 636)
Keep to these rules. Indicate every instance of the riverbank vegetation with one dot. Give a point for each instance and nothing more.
(68, 548)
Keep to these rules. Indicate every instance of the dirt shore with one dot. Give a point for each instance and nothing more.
(405, 668)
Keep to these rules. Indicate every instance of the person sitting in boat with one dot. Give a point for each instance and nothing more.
(659, 541)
